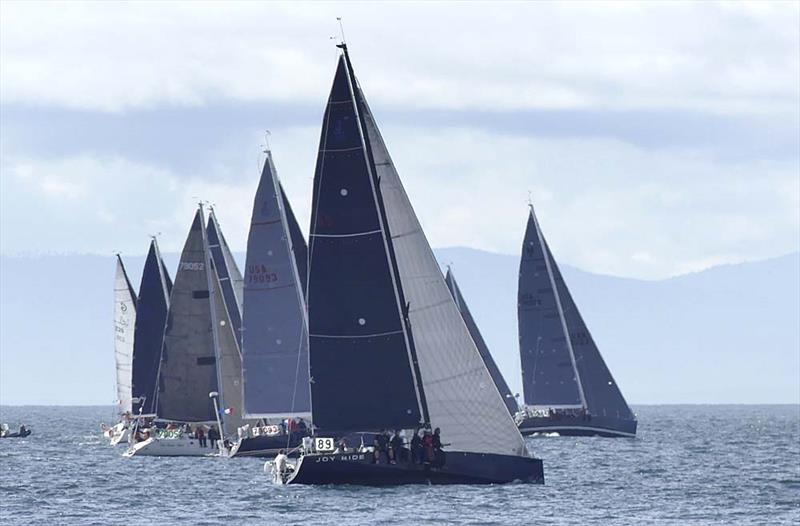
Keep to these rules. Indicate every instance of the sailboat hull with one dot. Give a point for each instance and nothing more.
(579, 426)
(170, 447)
(458, 468)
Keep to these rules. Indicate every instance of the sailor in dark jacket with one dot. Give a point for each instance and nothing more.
(416, 448)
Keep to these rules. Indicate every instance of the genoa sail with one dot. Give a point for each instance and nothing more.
(461, 397)
(299, 246)
(480, 343)
(275, 336)
(151, 319)
(603, 396)
(188, 371)
(230, 277)
(124, 326)
(550, 378)
(360, 349)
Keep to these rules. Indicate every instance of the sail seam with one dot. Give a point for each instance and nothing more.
(326, 150)
(373, 335)
(356, 234)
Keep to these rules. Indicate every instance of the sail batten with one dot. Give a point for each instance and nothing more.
(275, 335)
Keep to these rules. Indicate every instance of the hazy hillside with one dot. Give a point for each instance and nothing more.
(729, 334)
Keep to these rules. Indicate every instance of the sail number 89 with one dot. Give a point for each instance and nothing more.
(324, 444)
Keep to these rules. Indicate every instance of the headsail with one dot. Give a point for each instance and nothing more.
(275, 336)
(483, 349)
(124, 326)
(229, 276)
(299, 246)
(360, 349)
(151, 319)
(603, 397)
(462, 399)
(188, 369)
(550, 378)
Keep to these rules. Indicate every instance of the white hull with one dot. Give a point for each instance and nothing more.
(171, 447)
(116, 434)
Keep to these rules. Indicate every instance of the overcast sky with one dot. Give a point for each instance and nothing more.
(654, 138)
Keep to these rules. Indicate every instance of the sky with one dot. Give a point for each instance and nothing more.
(654, 138)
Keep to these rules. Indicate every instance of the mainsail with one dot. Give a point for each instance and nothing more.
(275, 335)
(483, 349)
(124, 326)
(561, 365)
(389, 347)
(188, 371)
(151, 318)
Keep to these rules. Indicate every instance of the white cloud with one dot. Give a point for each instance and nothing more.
(604, 205)
(722, 57)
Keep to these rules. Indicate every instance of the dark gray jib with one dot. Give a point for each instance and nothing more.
(483, 349)
(228, 274)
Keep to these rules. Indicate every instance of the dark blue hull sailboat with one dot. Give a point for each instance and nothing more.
(568, 388)
(388, 346)
(458, 468)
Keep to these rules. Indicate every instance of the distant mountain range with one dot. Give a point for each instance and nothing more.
(729, 334)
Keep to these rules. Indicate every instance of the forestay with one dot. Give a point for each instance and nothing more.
(124, 326)
(361, 373)
(480, 343)
(461, 397)
(152, 305)
(275, 336)
(188, 369)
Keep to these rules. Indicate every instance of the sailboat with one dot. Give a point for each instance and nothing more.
(567, 385)
(124, 325)
(198, 356)
(388, 346)
(275, 335)
(480, 343)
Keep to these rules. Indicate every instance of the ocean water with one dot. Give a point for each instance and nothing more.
(689, 465)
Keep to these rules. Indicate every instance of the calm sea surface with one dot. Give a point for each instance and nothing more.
(689, 465)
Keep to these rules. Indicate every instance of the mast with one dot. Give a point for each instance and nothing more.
(402, 306)
(559, 307)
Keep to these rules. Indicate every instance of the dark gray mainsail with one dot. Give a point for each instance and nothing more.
(151, 319)
(483, 349)
(229, 275)
(188, 371)
(275, 334)
(124, 325)
(561, 365)
(550, 378)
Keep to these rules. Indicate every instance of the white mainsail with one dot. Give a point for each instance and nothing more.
(124, 324)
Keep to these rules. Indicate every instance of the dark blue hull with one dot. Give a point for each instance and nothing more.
(564, 425)
(264, 446)
(458, 468)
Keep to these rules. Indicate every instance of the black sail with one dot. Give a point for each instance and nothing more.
(151, 318)
(603, 397)
(358, 336)
(480, 343)
(549, 375)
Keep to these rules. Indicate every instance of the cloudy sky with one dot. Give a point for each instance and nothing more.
(654, 138)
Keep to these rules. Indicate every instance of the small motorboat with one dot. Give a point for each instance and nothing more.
(5, 432)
